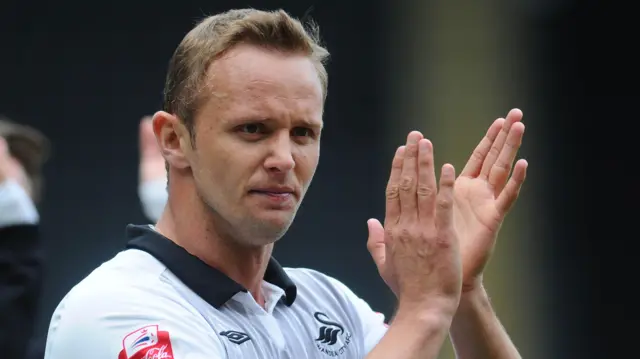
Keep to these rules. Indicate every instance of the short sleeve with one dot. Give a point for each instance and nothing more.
(132, 325)
(16, 207)
(374, 326)
(153, 197)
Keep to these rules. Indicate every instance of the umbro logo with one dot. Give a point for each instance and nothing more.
(235, 337)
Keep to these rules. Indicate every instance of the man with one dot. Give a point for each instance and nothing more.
(152, 188)
(240, 133)
(23, 152)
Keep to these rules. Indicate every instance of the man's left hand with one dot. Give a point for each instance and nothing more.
(484, 194)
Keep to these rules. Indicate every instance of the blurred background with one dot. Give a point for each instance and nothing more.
(563, 274)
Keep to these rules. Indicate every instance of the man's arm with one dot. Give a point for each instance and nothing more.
(152, 187)
(414, 335)
(417, 253)
(485, 191)
(411, 334)
(476, 331)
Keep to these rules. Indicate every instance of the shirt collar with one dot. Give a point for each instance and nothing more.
(207, 282)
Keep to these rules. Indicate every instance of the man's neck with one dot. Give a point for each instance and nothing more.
(187, 222)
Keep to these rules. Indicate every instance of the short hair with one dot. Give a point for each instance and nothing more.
(217, 34)
(30, 148)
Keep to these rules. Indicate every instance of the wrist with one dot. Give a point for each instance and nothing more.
(473, 291)
(472, 301)
(475, 285)
(437, 320)
(432, 309)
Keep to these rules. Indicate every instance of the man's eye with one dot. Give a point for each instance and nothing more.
(252, 128)
(302, 132)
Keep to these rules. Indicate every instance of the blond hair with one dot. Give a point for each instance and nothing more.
(217, 34)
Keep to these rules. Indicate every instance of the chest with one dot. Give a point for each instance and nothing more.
(289, 333)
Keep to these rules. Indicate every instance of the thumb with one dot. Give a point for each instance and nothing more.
(375, 243)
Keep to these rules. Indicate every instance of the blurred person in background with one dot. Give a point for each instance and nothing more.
(152, 187)
(23, 152)
(240, 132)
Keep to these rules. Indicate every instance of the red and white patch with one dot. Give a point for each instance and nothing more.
(146, 343)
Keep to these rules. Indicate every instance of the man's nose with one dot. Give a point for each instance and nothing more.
(280, 158)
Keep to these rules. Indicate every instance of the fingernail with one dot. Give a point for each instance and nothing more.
(414, 137)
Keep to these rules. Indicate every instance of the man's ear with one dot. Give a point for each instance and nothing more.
(173, 138)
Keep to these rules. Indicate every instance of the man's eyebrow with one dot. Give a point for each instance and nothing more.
(309, 123)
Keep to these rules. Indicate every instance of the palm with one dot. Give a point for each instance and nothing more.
(483, 196)
(477, 221)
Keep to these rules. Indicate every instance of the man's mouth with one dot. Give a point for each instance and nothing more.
(277, 194)
(279, 190)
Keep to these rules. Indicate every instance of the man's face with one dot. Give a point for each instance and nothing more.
(257, 141)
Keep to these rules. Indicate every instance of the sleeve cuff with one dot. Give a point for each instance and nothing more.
(16, 207)
(153, 197)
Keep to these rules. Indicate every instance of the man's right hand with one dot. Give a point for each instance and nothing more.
(417, 253)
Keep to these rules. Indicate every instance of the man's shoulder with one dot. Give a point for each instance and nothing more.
(302, 276)
(305, 273)
(307, 279)
(124, 298)
(130, 276)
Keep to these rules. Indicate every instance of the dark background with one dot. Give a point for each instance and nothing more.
(589, 82)
(85, 73)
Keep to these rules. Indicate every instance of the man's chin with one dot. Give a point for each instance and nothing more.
(270, 227)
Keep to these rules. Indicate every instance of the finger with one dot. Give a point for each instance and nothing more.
(514, 116)
(444, 207)
(392, 213)
(427, 187)
(508, 196)
(500, 171)
(375, 242)
(474, 165)
(409, 178)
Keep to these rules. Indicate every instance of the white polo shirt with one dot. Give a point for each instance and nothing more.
(154, 300)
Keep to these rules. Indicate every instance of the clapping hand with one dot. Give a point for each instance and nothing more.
(484, 193)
